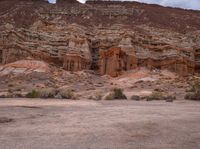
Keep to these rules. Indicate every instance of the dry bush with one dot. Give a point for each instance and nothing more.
(117, 93)
(66, 94)
(193, 96)
(33, 94)
(135, 97)
(194, 92)
(47, 93)
(156, 96)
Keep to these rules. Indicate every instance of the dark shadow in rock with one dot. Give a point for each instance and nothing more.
(6, 120)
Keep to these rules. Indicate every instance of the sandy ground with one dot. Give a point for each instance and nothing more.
(57, 124)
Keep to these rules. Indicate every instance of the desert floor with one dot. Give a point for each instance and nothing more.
(84, 124)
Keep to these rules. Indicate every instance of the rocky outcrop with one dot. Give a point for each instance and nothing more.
(78, 56)
(108, 37)
(115, 61)
(75, 62)
(168, 57)
(24, 67)
(14, 53)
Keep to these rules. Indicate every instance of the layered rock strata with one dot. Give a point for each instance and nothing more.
(115, 61)
(108, 37)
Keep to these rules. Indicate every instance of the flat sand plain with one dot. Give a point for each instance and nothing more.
(85, 124)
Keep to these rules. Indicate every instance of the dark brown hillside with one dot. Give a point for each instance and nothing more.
(94, 13)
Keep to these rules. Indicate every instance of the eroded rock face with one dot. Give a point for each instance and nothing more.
(168, 57)
(14, 54)
(114, 61)
(75, 62)
(73, 36)
(24, 67)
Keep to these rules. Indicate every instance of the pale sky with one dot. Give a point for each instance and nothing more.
(187, 4)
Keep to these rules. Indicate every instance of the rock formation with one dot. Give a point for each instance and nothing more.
(108, 37)
(75, 62)
(114, 61)
(24, 67)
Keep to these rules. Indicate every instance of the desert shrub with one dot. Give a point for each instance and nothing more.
(116, 93)
(58, 96)
(195, 87)
(33, 94)
(135, 97)
(155, 96)
(193, 96)
(170, 98)
(119, 94)
(47, 93)
(67, 94)
(194, 92)
(7, 95)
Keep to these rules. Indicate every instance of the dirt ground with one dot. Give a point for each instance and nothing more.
(84, 124)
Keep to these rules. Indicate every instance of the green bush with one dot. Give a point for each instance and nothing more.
(117, 93)
(156, 96)
(33, 94)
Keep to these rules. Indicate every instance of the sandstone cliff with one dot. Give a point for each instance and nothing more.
(150, 35)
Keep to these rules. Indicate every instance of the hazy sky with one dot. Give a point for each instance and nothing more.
(188, 4)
